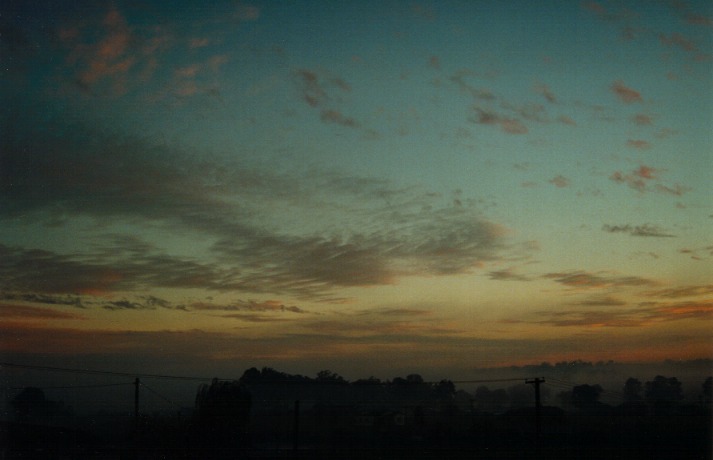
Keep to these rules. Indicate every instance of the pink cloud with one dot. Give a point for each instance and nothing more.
(640, 179)
(676, 39)
(334, 116)
(198, 43)
(106, 52)
(595, 8)
(434, 62)
(636, 180)
(24, 312)
(188, 88)
(565, 120)
(508, 125)
(586, 280)
(638, 144)
(215, 62)
(545, 91)
(512, 126)
(642, 119)
(188, 71)
(674, 189)
(645, 172)
(247, 13)
(625, 94)
(699, 20)
(317, 92)
(106, 58)
(313, 92)
(559, 181)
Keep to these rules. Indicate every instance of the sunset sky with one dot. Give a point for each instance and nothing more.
(372, 187)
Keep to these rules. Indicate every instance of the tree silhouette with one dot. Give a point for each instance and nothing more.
(633, 398)
(31, 406)
(223, 413)
(445, 390)
(586, 396)
(632, 390)
(663, 394)
(327, 376)
(707, 390)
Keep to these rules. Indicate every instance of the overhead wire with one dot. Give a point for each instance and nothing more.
(156, 393)
(75, 386)
(112, 373)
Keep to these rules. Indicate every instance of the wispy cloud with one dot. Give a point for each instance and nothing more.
(675, 189)
(645, 179)
(46, 272)
(646, 230)
(642, 119)
(642, 315)
(546, 92)
(245, 12)
(461, 81)
(198, 42)
(566, 120)
(114, 179)
(255, 317)
(318, 91)
(559, 181)
(483, 116)
(678, 40)
(106, 55)
(384, 323)
(699, 19)
(639, 144)
(625, 94)
(25, 312)
(333, 116)
(250, 305)
(586, 280)
(46, 299)
(602, 301)
(507, 274)
(683, 291)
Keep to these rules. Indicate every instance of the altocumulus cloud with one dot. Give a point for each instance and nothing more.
(236, 210)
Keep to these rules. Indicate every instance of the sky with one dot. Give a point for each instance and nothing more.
(376, 187)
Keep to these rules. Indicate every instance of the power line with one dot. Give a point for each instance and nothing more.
(489, 380)
(194, 378)
(75, 386)
(612, 393)
(97, 372)
(160, 395)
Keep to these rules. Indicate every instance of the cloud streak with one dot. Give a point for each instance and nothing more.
(643, 315)
(25, 312)
(586, 280)
(625, 94)
(483, 116)
(324, 93)
(645, 230)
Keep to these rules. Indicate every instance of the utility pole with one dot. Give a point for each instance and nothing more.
(296, 439)
(137, 383)
(538, 406)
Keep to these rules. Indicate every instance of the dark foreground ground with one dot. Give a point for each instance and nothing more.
(356, 453)
(495, 437)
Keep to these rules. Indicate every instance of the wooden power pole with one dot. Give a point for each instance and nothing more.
(538, 406)
(296, 434)
(137, 383)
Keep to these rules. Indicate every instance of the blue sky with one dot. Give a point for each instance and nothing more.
(314, 185)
